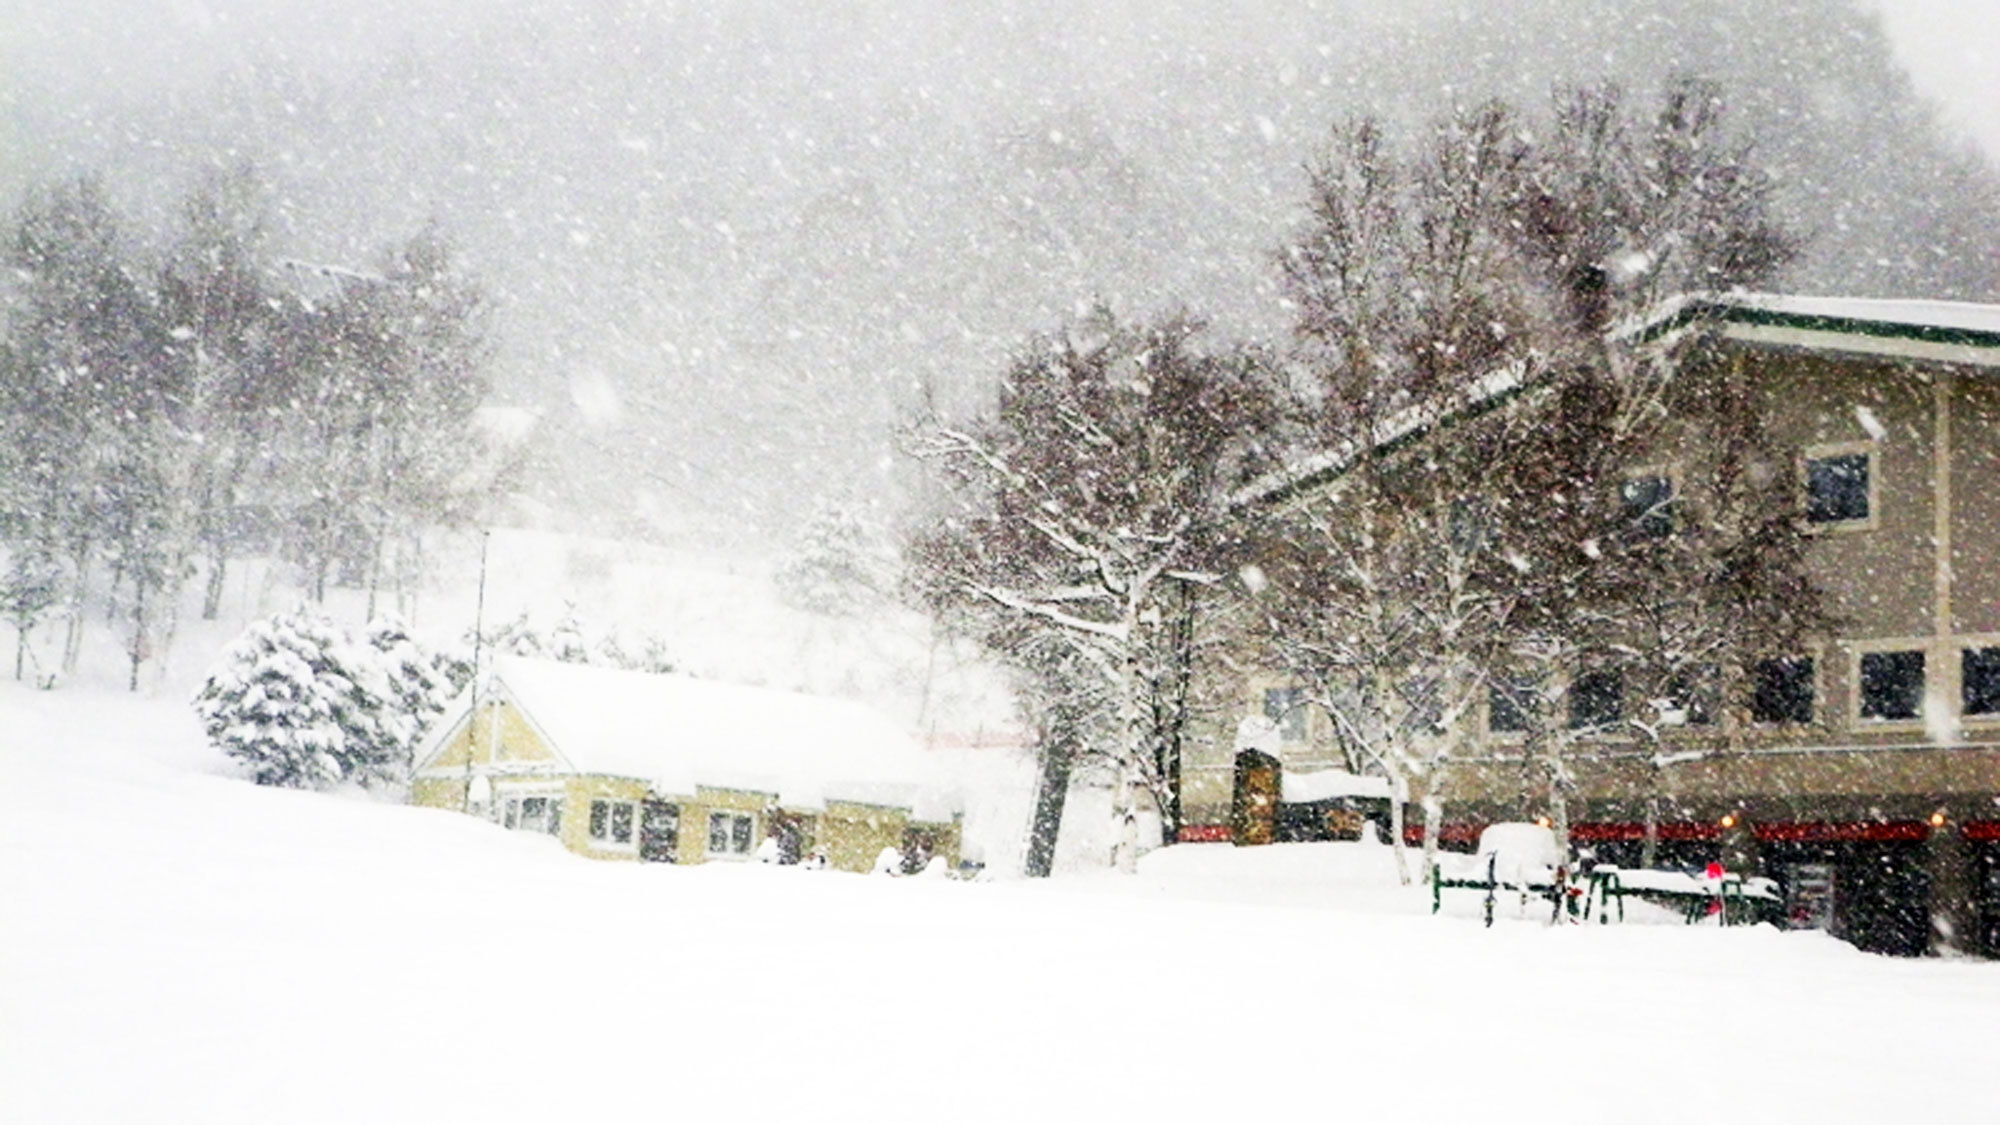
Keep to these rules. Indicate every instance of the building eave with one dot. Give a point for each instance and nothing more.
(1960, 334)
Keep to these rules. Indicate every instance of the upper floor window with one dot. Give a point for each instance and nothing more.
(1840, 486)
(1507, 703)
(1649, 505)
(1781, 690)
(1689, 699)
(1979, 681)
(1471, 527)
(1286, 708)
(1597, 700)
(1892, 685)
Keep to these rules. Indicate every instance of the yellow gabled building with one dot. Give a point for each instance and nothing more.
(669, 768)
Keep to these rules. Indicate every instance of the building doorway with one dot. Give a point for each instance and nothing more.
(659, 831)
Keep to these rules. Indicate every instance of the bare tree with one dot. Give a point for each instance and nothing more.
(1385, 590)
(1457, 311)
(1085, 503)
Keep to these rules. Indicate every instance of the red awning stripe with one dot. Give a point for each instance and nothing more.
(1681, 831)
(1825, 832)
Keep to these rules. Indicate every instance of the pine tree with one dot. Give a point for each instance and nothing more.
(566, 641)
(31, 586)
(302, 705)
(420, 684)
(836, 567)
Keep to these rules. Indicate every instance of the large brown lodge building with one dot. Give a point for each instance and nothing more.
(1867, 779)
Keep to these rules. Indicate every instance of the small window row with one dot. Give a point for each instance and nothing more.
(1839, 492)
(1782, 690)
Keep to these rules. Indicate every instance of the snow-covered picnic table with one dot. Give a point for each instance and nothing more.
(1523, 859)
(1731, 895)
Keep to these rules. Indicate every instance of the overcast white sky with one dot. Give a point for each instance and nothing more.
(1952, 48)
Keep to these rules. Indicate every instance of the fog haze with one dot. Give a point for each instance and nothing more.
(730, 244)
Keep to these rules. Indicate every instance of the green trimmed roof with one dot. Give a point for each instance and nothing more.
(1941, 331)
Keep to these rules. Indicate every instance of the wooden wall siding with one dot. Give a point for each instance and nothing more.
(518, 740)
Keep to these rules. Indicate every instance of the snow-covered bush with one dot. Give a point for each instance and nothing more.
(303, 704)
(839, 566)
(518, 637)
(569, 641)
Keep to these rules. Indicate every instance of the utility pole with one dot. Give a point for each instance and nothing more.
(478, 648)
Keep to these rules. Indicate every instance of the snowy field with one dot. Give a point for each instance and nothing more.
(179, 946)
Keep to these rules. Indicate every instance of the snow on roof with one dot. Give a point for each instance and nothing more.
(678, 732)
(1399, 428)
(1324, 785)
(1943, 331)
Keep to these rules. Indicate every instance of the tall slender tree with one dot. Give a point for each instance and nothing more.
(1085, 503)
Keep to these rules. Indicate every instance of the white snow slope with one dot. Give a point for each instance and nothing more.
(177, 945)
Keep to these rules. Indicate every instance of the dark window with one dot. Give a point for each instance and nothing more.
(729, 833)
(1507, 707)
(1837, 488)
(1597, 700)
(1892, 685)
(534, 814)
(1781, 690)
(1691, 693)
(1471, 525)
(1649, 506)
(1980, 680)
(611, 821)
(1420, 699)
(1286, 708)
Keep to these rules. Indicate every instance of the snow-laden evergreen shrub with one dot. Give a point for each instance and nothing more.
(30, 587)
(838, 566)
(305, 705)
(569, 641)
(421, 683)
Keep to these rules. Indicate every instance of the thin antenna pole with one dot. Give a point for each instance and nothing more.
(478, 646)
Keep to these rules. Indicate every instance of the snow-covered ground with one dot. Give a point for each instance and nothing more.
(178, 945)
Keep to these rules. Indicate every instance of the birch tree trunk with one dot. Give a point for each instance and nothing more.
(1125, 812)
(1398, 789)
(73, 636)
(1433, 824)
